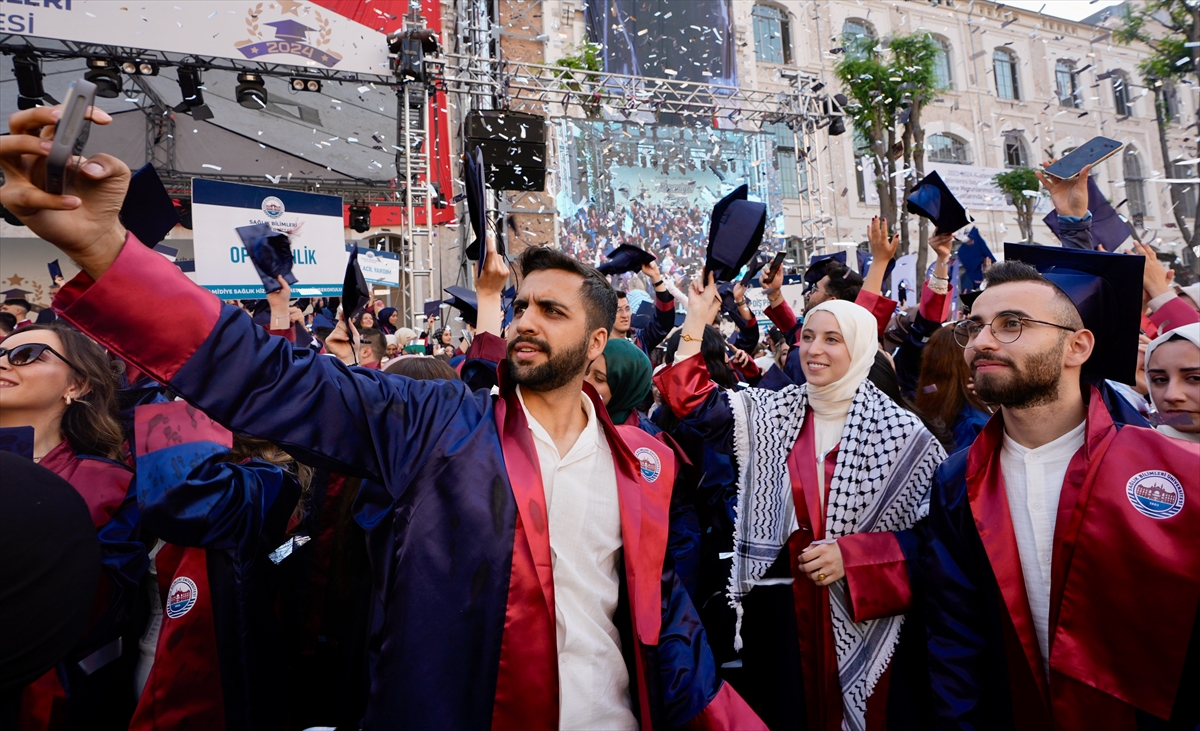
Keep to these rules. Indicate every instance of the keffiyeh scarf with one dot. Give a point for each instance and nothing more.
(885, 466)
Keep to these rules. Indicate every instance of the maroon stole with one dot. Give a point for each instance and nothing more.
(527, 683)
(1125, 568)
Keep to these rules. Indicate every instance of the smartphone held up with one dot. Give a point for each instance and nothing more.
(70, 137)
(1095, 150)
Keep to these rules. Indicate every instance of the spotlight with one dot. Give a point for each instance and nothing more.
(140, 68)
(837, 127)
(302, 84)
(360, 218)
(251, 91)
(104, 74)
(28, 71)
(193, 94)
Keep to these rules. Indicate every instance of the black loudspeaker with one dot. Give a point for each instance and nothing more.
(514, 147)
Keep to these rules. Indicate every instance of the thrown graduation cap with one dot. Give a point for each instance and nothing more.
(971, 256)
(432, 308)
(474, 178)
(466, 302)
(819, 265)
(1107, 291)
(354, 287)
(625, 258)
(933, 200)
(55, 270)
(1108, 230)
(148, 211)
(271, 254)
(734, 234)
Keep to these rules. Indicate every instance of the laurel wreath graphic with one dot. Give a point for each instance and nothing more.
(326, 29)
(252, 17)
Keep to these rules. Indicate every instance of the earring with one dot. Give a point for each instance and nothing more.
(68, 399)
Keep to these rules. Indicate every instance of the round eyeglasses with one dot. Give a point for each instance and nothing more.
(26, 353)
(1005, 328)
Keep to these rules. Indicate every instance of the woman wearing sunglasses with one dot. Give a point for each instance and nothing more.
(61, 383)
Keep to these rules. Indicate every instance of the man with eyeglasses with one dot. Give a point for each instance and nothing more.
(1061, 557)
(661, 322)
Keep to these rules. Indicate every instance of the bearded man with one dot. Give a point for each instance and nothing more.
(519, 544)
(1063, 532)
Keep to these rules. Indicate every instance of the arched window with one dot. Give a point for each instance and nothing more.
(793, 174)
(1004, 64)
(1135, 190)
(947, 148)
(1121, 98)
(857, 36)
(772, 34)
(1014, 152)
(941, 64)
(1064, 81)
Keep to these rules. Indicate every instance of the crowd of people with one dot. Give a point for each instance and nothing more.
(678, 236)
(306, 518)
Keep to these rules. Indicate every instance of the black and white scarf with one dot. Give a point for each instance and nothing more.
(885, 467)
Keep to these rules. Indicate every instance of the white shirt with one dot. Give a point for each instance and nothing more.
(585, 546)
(1033, 480)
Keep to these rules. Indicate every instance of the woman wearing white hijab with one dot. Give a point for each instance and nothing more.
(839, 450)
(1173, 377)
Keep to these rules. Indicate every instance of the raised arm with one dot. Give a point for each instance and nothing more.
(664, 309)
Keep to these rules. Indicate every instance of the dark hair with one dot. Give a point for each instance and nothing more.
(942, 387)
(374, 338)
(90, 421)
(19, 302)
(357, 319)
(599, 297)
(844, 283)
(883, 375)
(712, 347)
(322, 332)
(621, 295)
(422, 368)
(775, 335)
(8, 322)
(1011, 272)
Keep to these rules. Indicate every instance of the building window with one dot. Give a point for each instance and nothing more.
(1170, 102)
(793, 177)
(1004, 64)
(1135, 190)
(862, 162)
(1185, 191)
(941, 64)
(857, 36)
(1014, 152)
(1064, 80)
(1121, 99)
(947, 148)
(772, 34)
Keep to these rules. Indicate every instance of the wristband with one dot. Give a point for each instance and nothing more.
(657, 283)
(741, 303)
(944, 279)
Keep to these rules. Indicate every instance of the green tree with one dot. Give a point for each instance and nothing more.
(889, 84)
(1019, 184)
(588, 95)
(1171, 30)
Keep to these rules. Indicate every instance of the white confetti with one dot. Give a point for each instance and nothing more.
(213, 167)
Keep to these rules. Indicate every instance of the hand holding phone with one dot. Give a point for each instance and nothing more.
(70, 137)
(1095, 150)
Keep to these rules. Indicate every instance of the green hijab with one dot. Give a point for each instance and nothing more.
(629, 374)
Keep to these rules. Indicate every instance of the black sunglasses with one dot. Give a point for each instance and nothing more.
(23, 355)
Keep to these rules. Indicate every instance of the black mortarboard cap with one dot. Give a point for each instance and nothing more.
(432, 308)
(1107, 291)
(643, 317)
(968, 299)
(818, 265)
(290, 30)
(734, 234)
(55, 269)
(625, 258)
(972, 254)
(320, 320)
(354, 287)
(148, 211)
(1109, 231)
(474, 180)
(466, 302)
(933, 200)
(270, 253)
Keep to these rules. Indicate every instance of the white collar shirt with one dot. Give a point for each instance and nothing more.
(585, 549)
(1033, 480)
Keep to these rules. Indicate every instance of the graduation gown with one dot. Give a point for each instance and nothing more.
(1125, 586)
(787, 628)
(467, 640)
(87, 689)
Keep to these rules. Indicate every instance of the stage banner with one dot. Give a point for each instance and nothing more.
(378, 267)
(273, 31)
(313, 222)
(654, 186)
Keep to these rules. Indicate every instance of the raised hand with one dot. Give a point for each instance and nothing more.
(651, 270)
(1070, 197)
(495, 271)
(84, 224)
(1156, 279)
(941, 245)
(883, 248)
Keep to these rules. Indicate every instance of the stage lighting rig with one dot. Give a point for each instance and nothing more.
(410, 48)
(190, 86)
(106, 76)
(360, 217)
(138, 67)
(30, 92)
(837, 124)
(300, 83)
(251, 92)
